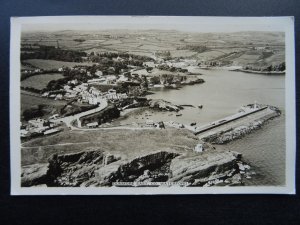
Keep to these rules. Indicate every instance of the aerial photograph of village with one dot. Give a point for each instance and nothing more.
(151, 107)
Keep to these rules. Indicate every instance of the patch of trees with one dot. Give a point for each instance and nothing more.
(69, 110)
(50, 52)
(56, 84)
(104, 88)
(132, 102)
(171, 79)
(155, 80)
(124, 56)
(144, 81)
(80, 74)
(195, 48)
(109, 113)
(108, 66)
(149, 69)
(171, 68)
(135, 91)
(79, 40)
(34, 112)
(105, 63)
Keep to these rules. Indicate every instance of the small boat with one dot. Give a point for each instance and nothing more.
(200, 106)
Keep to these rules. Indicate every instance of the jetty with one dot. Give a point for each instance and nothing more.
(246, 115)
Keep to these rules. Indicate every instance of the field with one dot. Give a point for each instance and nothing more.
(125, 143)
(40, 81)
(52, 64)
(182, 53)
(209, 55)
(28, 101)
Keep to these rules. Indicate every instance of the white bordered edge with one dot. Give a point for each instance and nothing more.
(286, 24)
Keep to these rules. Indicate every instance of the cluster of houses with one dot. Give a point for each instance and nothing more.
(178, 63)
(93, 96)
(27, 71)
(86, 93)
(39, 126)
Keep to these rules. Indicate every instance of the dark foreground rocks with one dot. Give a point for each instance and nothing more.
(35, 174)
(98, 168)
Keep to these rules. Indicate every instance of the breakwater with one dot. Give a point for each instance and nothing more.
(236, 126)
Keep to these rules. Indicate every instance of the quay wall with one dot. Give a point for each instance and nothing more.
(228, 121)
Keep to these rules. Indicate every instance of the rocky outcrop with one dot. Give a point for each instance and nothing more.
(74, 169)
(97, 168)
(152, 167)
(34, 174)
(205, 169)
(164, 105)
(192, 82)
(66, 170)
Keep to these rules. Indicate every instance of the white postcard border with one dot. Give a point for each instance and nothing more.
(285, 23)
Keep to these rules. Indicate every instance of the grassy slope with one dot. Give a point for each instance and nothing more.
(40, 81)
(125, 143)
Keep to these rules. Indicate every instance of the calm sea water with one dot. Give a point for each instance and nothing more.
(223, 93)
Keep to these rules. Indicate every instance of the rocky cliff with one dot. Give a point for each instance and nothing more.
(99, 168)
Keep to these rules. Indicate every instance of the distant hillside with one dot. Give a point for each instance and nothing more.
(252, 48)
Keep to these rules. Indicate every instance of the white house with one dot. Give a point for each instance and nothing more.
(91, 125)
(24, 133)
(198, 148)
(99, 73)
(59, 97)
(36, 123)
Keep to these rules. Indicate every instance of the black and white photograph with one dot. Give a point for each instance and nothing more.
(104, 105)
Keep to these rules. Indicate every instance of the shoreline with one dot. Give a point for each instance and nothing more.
(260, 72)
(239, 69)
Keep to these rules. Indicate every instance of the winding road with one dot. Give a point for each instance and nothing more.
(69, 119)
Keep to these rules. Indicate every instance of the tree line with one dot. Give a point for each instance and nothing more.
(50, 52)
